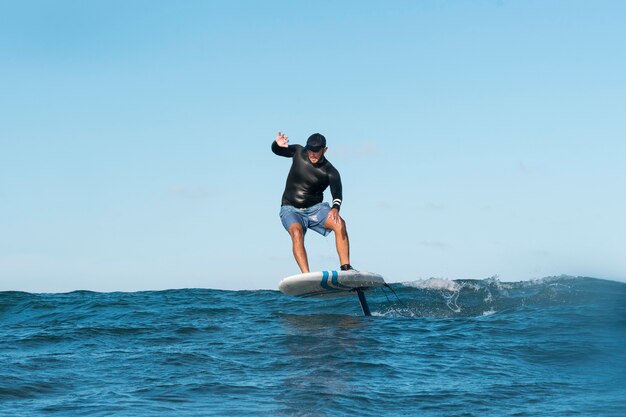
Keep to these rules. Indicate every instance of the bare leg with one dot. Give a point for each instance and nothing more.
(341, 240)
(299, 252)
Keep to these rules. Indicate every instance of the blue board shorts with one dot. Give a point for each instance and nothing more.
(312, 217)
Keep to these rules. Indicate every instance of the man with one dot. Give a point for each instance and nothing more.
(302, 205)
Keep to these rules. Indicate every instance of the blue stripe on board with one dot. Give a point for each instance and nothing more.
(336, 282)
(324, 282)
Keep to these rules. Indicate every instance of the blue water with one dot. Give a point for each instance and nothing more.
(551, 347)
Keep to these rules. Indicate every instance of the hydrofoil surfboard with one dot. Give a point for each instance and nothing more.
(332, 284)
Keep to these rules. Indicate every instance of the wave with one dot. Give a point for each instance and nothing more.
(439, 297)
(433, 297)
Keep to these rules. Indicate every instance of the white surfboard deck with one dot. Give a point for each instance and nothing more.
(329, 283)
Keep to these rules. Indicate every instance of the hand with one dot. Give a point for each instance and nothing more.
(282, 140)
(333, 216)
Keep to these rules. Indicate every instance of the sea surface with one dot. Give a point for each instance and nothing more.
(549, 347)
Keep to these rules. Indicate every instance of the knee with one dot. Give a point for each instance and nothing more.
(340, 227)
(296, 231)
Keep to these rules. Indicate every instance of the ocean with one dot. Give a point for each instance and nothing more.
(549, 347)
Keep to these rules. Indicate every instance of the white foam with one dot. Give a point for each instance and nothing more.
(396, 312)
(434, 284)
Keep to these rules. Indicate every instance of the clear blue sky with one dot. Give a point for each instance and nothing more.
(474, 138)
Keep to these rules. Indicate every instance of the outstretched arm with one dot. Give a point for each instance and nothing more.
(280, 146)
(282, 139)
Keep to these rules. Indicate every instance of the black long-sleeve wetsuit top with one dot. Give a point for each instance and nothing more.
(306, 181)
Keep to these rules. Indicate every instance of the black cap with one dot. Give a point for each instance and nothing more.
(315, 142)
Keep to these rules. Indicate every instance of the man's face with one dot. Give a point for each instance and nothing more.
(315, 157)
